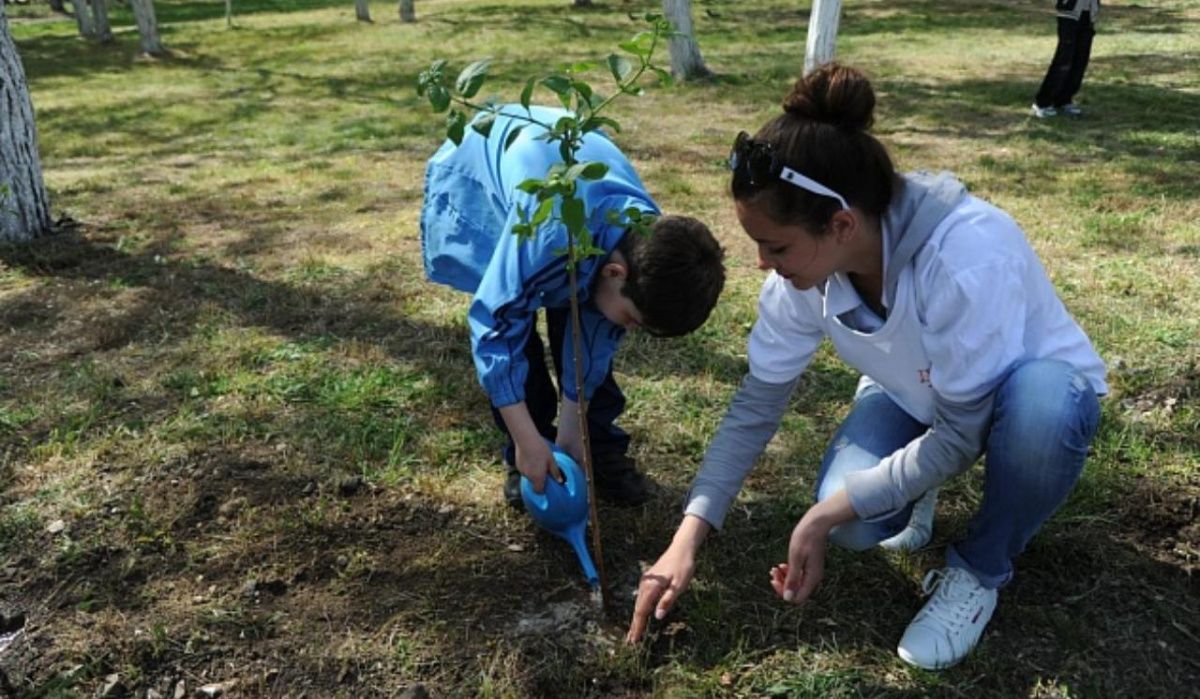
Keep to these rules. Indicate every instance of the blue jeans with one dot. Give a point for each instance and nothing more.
(1044, 418)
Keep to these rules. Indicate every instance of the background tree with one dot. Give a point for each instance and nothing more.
(362, 11)
(147, 22)
(822, 33)
(407, 13)
(83, 18)
(57, 6)
(24, 206)
(229, 14)
(102, 30)
(686, 62)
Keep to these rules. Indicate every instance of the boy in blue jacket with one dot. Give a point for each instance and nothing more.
(666, 283)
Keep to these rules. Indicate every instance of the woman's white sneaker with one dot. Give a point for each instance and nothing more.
(949, 625)
(920, 525)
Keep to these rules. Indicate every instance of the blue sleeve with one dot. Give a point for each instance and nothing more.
(504, 308)
(600, 340)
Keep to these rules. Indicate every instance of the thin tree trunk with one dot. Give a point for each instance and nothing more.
(103, 30)
(362, 11)
(57, 6)
(686, 62)
(24, 206)
(229, 14)
(822, 33)
(147, 22)
(83, 19)
(407, 13)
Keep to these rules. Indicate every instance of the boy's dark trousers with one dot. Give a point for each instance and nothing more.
(609, 442)
(1070, 61)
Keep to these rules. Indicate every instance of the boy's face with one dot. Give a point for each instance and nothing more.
(615, 306)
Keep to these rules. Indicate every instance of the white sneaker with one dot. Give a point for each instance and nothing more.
(1072, 110)
(1043, 112)
(951, 622)
(920, 525)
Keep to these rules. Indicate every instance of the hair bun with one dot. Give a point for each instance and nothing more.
(833, 94)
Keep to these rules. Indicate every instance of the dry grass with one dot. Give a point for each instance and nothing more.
(259, 425)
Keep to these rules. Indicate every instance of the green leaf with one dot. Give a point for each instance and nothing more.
(573, 215)
(593, 171)
(483, 124)
(620, 67)
(527, 93)
(664, 77)
(522, 230)
(439, 98)
(581, 67)
(512, 136)
(583, 90)
(542, 213)
(456, 122)
(560, 86)
(531, 186)
(472, 77)
(596, 122)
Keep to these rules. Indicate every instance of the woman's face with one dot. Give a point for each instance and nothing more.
(792, 251)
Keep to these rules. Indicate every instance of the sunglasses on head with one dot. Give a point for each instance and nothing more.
(755, 164)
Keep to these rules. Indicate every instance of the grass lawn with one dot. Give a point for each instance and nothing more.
(241, 440)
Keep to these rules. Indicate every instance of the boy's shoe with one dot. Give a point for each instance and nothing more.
(618, 481)
(1043, 112)
(920, 525)
(1071, 110)
(512, 489)
(949, 625)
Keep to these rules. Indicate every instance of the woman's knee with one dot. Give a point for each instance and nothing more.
(856, 535)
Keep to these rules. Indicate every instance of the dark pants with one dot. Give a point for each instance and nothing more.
(1069, 64)
(609, 442)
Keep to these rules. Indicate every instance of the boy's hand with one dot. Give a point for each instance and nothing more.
(535, 460)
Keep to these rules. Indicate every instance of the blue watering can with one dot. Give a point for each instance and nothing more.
(562, 509)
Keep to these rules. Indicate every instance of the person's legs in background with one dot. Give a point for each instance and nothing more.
(1059, 72)
(1085, 32)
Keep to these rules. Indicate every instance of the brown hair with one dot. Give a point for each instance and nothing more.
(823, 134)
(674, 275)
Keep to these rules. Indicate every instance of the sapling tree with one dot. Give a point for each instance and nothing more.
(556, 192)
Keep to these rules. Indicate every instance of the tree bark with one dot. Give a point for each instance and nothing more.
(362, 11)
(686, 62)
(822, 33)
(407, 12)
(147, 22)
(83, 19)
(101, 27)
(24, 206)
(229, 14)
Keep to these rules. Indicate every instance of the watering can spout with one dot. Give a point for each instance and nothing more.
(562, 509)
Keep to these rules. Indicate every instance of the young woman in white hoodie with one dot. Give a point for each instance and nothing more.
(964, 347)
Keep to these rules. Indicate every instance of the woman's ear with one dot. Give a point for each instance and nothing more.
(845, 226)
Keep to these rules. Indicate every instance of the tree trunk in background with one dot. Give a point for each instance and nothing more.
(24, 206)
(103, 30)
(229, 14)
(147, 22)
(57, 6)
(362, 11)
(686, 63)
(407, 13)
(822, 33)
(83, 19)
